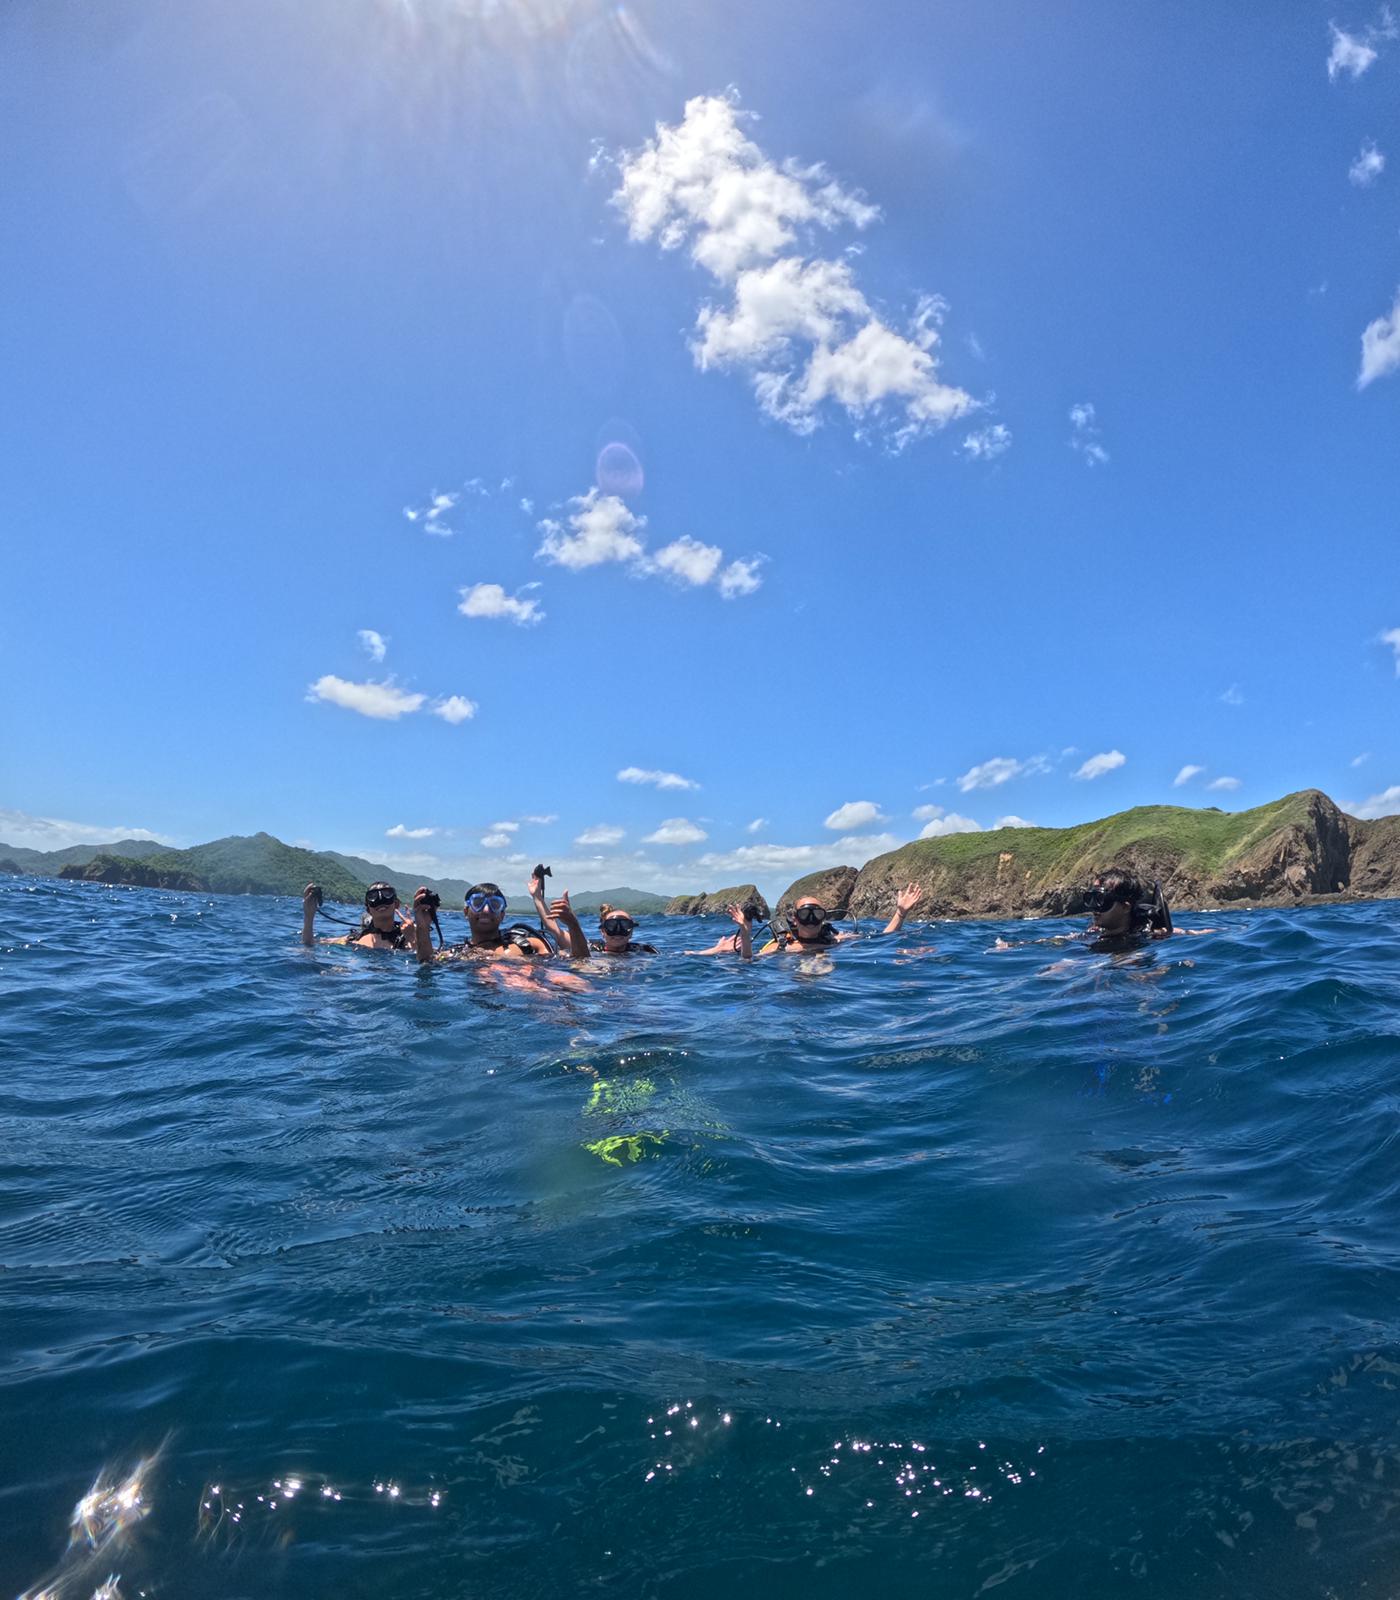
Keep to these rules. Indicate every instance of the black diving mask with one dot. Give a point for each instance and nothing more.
(381, 894)
(809, 916)
(1100, 900)
(620, 927)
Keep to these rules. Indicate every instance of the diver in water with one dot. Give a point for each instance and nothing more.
(485, 907)
(1125, 912)
(381, 928)
(809, 928)
(617, 927)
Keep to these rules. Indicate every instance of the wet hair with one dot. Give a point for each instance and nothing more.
(1121, 885)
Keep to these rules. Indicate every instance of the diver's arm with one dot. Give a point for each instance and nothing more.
(422, 923)
(736, 914)
(310, 904)
(567, 917)
(542, 910)
(908, 897)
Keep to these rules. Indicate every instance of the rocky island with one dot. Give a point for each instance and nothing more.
(1292, 851)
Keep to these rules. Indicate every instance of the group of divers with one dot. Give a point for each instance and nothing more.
(1126, 913)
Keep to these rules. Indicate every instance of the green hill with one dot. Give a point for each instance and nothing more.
(49, 863)
(1297, 846)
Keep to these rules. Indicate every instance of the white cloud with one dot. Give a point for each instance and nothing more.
(498, 839)
(755, 862)
(432, 514)
(797, 324)
(505, 827)
(1000, 769)
(380, 700)
(1362, 759)
(862, 847)
(1013, 821)
(676, 830)
(757, 825)
(949, 822)
(740, 578)
(374, 644)
(689, 561)
(52, 833)
(1352, 54)
(1392, 637)
(600, 529)
(660, 780)
(854, 814)
(602, 833)
(986, 444)
(1186, 774)
(491, 600)
(1233, 696)
(1085, 434)
(1380, 346)
(527, 506)
(541, 822)
(1224, 785)
(926, 813)
(455, 708)
(399, 831)
(1096, 766)
(1367, 167)
(1384, 804)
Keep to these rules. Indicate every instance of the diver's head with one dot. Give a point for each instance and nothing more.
(1113, 898)
(484, 905)
(381, 902)
(807, 919)
(618, 928)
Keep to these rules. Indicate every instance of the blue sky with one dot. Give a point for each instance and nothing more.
(844, 423)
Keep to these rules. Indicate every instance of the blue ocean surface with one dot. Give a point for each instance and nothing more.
(923, 1264)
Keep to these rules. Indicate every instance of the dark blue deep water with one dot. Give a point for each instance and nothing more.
(932, 1270)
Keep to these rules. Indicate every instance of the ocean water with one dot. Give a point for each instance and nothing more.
(926, 1265)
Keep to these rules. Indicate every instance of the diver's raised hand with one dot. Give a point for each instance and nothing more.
(312, 896)
(561, 909)
(736, 914)
(908, 897)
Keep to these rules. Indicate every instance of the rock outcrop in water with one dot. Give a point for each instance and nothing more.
(1290, 851)
(833, 888)
(11, 869)
(715, 901)
(140, 874)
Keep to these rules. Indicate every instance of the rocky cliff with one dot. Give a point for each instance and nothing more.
(118, 869)
(716, 902)
(833, 888)
(1279, 854)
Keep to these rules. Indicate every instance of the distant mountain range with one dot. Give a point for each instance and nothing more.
(261, 864)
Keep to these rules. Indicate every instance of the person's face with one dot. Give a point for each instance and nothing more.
(484, 913)
(381, 914)
(804, 925)
(1116, 919)
(618, 929)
